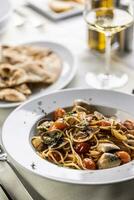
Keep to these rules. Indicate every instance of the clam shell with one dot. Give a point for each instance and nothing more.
(108, 160)
(106, 147)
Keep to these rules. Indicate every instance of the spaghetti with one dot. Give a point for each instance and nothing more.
(83, 138)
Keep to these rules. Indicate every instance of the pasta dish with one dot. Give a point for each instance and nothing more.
(80, 137)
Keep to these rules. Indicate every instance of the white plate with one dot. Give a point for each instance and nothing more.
(42, 7)
(5, 12)
(67, 73)
(19, 128)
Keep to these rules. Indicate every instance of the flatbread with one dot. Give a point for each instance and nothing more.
(24, 89)
(27, 64)
(11, 75)
(60, 6)
(11, 95)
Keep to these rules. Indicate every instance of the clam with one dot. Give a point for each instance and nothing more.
(107, 147)
(44, 125)
(82, 105)
(98, 115)
(94, 153)
(52, 138)
(108, 160)
(37, 143)
(43, 120)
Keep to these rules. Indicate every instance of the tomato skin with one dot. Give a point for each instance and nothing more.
(59, 113)
(88, 163)
(53, 127)
(82, 147)
(104, 123)
(58, 124)
(124, 156)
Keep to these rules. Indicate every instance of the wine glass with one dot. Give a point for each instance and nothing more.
(107, 20)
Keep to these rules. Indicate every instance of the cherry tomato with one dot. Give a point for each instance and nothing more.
(82, 147)
(124, 156)
(59, 113)
(53, 127)
(58, 124)
(88, 163)
(104, 123)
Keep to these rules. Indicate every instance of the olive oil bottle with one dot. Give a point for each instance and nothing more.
(125, 38)
(96, 40)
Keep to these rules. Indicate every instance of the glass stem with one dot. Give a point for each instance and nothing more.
(108, 54)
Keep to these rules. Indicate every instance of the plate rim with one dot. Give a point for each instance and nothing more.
(57, 16)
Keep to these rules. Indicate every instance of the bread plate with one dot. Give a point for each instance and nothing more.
(67, 72)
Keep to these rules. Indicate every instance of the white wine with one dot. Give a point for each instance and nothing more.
(108, 20)
(96, 40)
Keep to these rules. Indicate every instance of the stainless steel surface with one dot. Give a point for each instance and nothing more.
(11, 183)
(10, 180)
(52, 190)
(3, 195)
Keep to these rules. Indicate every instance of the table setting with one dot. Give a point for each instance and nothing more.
(66, 99)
